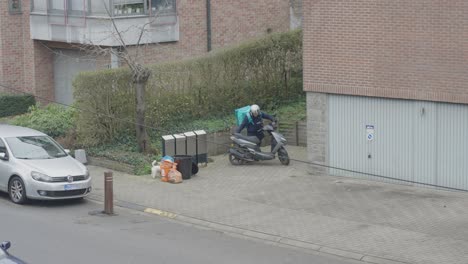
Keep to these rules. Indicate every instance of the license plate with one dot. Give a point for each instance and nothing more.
(68, 187)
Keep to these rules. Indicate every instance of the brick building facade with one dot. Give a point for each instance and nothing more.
(387, 85)
(231, 23)
(32, 41)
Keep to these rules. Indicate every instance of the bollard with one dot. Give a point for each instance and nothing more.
(108, 193)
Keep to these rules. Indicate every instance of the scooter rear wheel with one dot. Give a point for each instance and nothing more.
(283, 156)
(235, 160)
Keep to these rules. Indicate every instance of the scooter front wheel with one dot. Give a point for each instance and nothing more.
(283, 156)
(235, 160)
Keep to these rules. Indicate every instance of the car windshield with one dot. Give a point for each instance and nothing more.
(37, 147)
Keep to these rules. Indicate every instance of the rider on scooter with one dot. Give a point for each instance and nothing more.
(254, 127)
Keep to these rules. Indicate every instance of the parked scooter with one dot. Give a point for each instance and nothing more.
(246, 149)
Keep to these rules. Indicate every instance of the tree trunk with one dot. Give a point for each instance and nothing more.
(142, 135)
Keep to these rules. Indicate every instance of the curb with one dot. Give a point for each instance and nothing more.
(245, 233)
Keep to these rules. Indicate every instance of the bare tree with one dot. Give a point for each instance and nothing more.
(140, 72)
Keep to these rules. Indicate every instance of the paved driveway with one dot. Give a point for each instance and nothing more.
(364, 220)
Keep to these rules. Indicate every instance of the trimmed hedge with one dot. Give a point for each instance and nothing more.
(11, 105)
(266, 71)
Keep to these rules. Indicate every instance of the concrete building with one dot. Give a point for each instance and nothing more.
(40, 39)
(387, 89)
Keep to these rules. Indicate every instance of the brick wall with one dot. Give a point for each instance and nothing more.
(25, 64)
(2, 15)
(11, 53)
(400, 49)
(231, 23)
(235, 21)
(43, 72)
(192, 35)
(28, 65)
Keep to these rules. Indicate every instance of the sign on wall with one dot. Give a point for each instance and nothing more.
(370, 132)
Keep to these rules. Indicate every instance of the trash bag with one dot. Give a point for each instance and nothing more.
(174, 176)
(166, 167)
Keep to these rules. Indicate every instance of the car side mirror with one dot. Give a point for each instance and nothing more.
(67, 151)
(3, 156)
(5, 245)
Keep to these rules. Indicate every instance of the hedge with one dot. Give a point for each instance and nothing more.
(266, 71)
(54, 120)
(11, 105)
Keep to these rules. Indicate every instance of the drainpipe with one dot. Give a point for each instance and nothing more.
(208, 24)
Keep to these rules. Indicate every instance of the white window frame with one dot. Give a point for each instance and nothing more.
(128, 8)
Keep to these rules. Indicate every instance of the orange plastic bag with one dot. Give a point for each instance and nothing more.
(174, 175)
(166, 166)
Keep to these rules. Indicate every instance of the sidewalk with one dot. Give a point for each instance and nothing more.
(363, 220)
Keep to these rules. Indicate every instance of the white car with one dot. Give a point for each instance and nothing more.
(34, 166)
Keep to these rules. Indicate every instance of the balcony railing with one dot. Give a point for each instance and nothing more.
(89, 21)
(105, 7)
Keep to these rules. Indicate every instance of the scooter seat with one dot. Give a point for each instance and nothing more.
(252, 139)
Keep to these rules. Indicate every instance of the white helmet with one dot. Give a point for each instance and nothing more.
(255, 110)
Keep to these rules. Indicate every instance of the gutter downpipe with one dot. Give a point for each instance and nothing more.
(208, 24)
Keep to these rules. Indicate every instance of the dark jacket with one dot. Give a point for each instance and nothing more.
(254, 128)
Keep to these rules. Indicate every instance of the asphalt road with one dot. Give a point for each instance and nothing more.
(74, 232)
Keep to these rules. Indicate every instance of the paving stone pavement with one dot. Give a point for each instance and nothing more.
(364, 218)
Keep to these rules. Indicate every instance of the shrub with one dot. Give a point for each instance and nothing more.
(54, 120)
(127, 154)
(11, 105)
(266, 71)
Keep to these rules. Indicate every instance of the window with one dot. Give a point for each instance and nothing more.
(129, 7)
(99, 7)
(161, 6)
(39, 6)
(35, 147)
(14, 6)
(3, 150)
(2, 146)
(57, 5)
(140, 7)
(78, 7)
(75, 5)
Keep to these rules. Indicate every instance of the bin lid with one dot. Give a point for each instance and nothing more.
(182, 157)
(179, 136)
(168, 137)
(200, 132)
(189, 134)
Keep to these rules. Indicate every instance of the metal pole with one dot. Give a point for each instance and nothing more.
(208, 24)
(108, 193)
(297, 133)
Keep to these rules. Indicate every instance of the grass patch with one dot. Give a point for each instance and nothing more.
(125, 153)
(292, 112)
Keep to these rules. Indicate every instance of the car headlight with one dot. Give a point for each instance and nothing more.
(40, 177)
(86, 175)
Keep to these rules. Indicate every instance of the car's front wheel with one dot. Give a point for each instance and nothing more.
(17, 190)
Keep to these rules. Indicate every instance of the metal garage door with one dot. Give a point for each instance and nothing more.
(67, 64)
(418, 141)
(452, 146)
